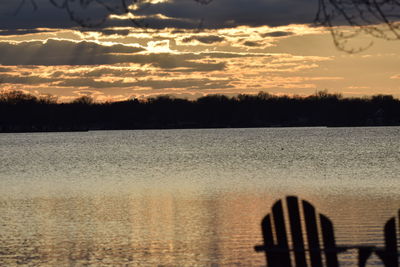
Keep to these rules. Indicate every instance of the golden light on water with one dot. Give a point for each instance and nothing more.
(168, 229)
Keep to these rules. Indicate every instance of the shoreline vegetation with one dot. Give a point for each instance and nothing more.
(21, 112)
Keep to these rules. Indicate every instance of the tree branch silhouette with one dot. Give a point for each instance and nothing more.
(376, 18)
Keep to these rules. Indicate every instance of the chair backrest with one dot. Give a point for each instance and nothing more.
(278, 249)
(390, 254)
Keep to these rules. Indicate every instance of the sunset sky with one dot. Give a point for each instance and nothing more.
(186, 49)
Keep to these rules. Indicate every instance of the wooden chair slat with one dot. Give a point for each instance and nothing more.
(269, 241)
(389, 255)
(281, 235)
(312, 234)
(278, 251)
(329, 242)
(296, 231)
(391, 237)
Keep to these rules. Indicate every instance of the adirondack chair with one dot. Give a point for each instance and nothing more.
(276, 245)
(390, 254)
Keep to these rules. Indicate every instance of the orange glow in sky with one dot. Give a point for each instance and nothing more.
(120, 62)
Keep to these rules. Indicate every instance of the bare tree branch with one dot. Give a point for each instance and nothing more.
(376, 18)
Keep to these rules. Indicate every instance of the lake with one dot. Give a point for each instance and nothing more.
(187, 197)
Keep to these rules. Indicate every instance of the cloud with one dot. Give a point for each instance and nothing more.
(233, 54)
(183, 62)
(45, 16)
(184, 84)
(233, 13)
(105, 78)
(115, 32)
(178, 14)
(210, 39)
(4, 69)
(92, 83)
(150, 83)
(22, 31)
(277, 34)
(189, 84)
(61, 52)
(116, 72)
(252, 43)
(18, 79)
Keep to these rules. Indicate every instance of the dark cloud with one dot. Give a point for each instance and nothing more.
(61, 52)
(115, 32)
(18, 79)
(106, 31)
(90, 80)
(154, 22)
(154, 84)
(276, 34)
(21, 31)
(178, 14)
(198, 66)
(116, 73)
(45, 16)
(232, 13)
(222, 55)
(183, 62)
(210, 39)
(190, 84)
(252, 44)
(92, 83)
(213, 85)
(4, 69)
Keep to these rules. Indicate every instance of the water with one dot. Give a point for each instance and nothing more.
(187, 197)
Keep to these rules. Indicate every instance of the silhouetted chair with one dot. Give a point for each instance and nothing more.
(390, 254)
(276, 245)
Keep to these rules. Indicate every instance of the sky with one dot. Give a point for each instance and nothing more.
(185, 49)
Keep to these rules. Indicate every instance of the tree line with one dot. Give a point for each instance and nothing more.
(21, 112)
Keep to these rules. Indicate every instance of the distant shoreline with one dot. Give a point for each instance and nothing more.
(199, 128)
(21, 112)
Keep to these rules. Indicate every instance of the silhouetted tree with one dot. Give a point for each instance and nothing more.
(83, 100)
(23, 112)
(16, 97)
